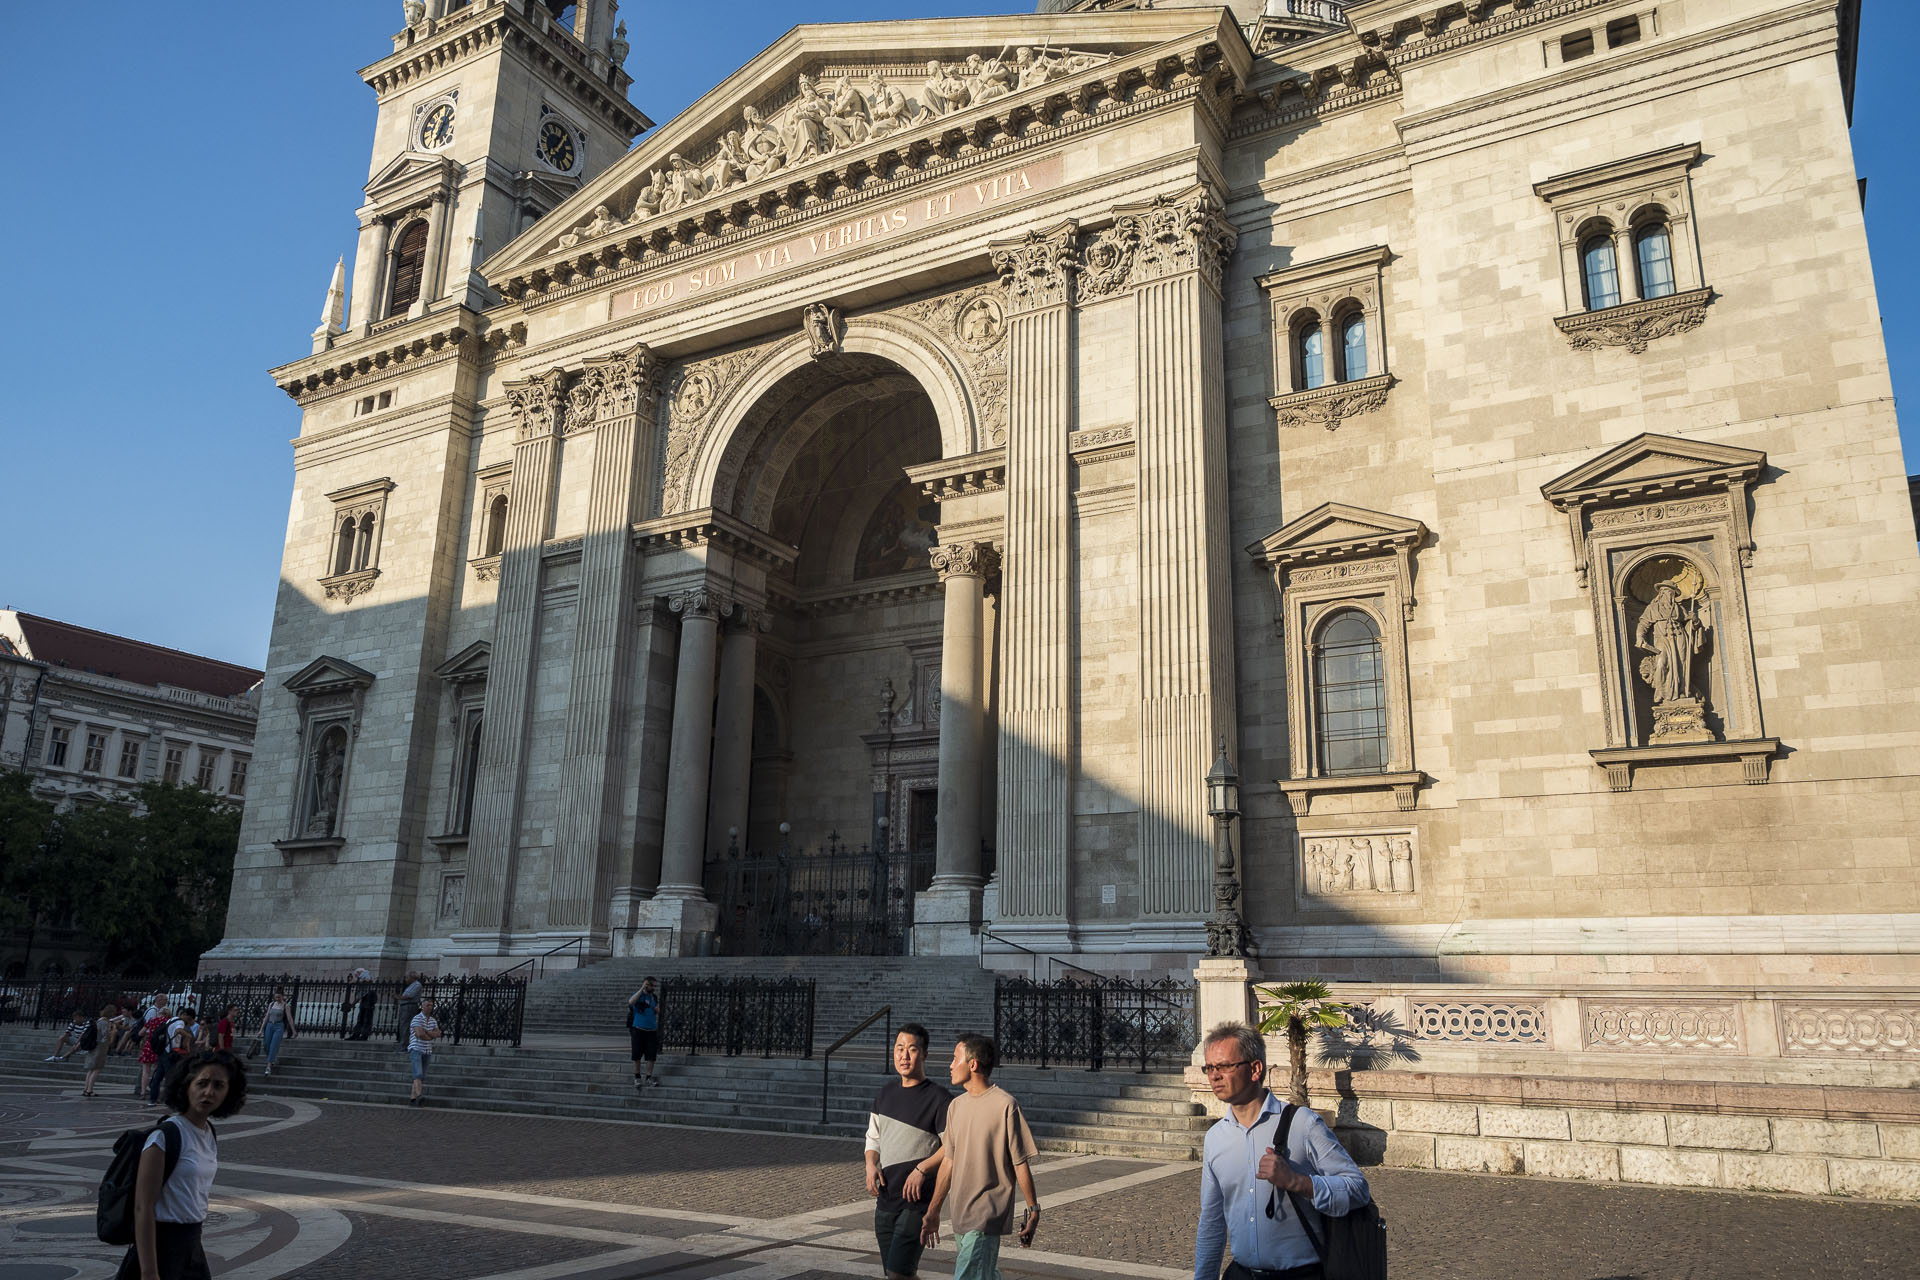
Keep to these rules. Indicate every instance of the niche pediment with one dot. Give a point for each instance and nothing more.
(467, 666)
(1652, 466)
(831, 109)
(409, 177)
(328, 675)
(1335, 531)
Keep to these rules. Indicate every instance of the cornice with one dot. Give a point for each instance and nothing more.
(431, 340)
(709, 527)
(972, 473)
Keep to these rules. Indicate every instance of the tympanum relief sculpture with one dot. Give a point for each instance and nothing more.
(822, 119)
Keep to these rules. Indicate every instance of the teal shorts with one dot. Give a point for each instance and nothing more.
(976, 1256)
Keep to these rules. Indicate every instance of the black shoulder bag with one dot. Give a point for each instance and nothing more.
(1354, 1246)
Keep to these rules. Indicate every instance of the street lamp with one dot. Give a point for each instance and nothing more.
(1226, 932)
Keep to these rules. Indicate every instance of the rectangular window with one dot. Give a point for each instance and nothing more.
(1577, 44)
(1622, 31)
(96, 757)
(237, 777)
(58, 743)
(129, 757)
(203, 775)
(176, 761)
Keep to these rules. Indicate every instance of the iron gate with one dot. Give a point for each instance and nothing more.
(834, 901)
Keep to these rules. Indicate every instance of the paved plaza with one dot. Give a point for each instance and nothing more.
(330, 1190)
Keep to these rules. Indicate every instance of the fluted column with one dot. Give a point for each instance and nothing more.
(1186, 606)
(733, 729)
(433, 270)
(369, 268)
(684, 838)
(1034, 842)
(963, 568)
(606, 406)
(492, 857)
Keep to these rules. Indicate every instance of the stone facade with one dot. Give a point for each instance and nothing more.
(1475, 417)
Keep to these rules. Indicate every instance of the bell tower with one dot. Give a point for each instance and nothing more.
(491, 113)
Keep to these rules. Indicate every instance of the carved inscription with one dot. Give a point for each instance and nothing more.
(838, 239)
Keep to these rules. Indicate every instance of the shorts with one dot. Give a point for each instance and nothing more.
(180, 1254)
(898, 1231)
(419, 1059)
(976, 1256)
(646, 1044)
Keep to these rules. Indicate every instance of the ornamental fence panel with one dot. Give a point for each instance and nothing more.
(1094, 1022)
(768, 1016)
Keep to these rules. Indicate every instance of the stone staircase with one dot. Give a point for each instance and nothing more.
(947, 995)
(1106, 1113)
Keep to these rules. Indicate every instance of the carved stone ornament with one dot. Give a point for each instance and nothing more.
(1357, 864)
(700, 602)
(693, 393)
(1166, 236)
(348, 586)
(1635, 324)
(964, 559)
(536, 404)
(824, 327)
(1037, 270)
(486, 569)
(974, 323)
(624, 384)
(1331, 405)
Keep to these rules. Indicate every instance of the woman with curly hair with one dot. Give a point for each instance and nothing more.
(169, 1209)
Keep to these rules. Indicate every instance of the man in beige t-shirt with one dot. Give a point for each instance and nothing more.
(987, 1146)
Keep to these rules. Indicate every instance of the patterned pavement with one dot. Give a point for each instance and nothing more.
(340, 1191)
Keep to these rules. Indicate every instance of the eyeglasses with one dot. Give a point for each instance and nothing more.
(1221, 1068)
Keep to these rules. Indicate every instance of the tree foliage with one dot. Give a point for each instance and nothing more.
(149, 881)
(1299, 1007)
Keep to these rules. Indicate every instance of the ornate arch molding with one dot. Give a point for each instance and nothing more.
(952, 346)
(1661, 542)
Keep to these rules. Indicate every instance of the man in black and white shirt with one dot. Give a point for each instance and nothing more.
(903, 1152)
(421, 1033)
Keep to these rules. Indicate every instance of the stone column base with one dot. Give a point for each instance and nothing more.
(946, 918)
(1223, 993)
(666, 926)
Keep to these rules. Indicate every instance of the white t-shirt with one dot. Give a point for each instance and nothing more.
(184, 1197)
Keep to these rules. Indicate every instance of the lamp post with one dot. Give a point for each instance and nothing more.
(1226, 931)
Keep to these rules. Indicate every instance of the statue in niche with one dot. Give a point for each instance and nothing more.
(822, 325)
(1672, 632)
(764, 144)
(944, 93)
(889, 109)
(329, 768)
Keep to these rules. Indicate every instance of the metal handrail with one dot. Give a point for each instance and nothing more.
(986, 933)
(826, 1060)
(529, 962)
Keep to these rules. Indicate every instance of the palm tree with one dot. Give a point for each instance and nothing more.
(1297, 1006)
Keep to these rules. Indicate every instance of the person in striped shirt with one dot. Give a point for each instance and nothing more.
(421, 1033)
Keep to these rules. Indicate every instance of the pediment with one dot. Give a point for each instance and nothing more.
(1335, 531)
(762, 131)
(328, 675)
(1650, 466)
(467, 666)
(409, 176)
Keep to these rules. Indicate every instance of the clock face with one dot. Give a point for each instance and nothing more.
(437, 131)
(556, 146)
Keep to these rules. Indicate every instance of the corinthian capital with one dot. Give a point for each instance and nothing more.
(964, 560)
(627, 382)
(583, 402)
(1037, 269)
(1187, 232)
(700, 602)
(536, 403)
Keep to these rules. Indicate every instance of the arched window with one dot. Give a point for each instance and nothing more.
(1653, 256)
(1311, 344)
(409, 265)
(1599, 272)
(363, 545)
(1350, 696)
(496, 537)
(1353, 347)
(343, 551)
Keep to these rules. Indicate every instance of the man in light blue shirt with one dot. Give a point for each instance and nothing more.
(1244, 1183)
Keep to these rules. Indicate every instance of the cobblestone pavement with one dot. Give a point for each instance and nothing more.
(333, 1192)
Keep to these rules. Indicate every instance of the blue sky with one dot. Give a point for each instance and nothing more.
(184, 178)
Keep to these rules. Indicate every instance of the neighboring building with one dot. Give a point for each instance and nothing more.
(91, 716)
(952, 431)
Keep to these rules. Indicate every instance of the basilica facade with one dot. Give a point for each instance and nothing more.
(949, 437)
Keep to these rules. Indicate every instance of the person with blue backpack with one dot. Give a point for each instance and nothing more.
(643, 1027)
(154, 1196)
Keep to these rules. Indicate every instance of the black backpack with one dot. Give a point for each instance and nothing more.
(113, 1216)
(159, 1041)
(1354, 1246)
(90, 1038)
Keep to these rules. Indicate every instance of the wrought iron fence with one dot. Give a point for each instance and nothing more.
(834, 901)
(1093, 1021)
(470, 1008)
(767, 1016)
